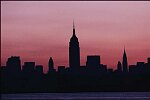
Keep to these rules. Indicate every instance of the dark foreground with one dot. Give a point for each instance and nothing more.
(76, 80)
(56, 83)
(82, 95)
(90, 78)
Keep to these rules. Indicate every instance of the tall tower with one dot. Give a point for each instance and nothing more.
(74, 51)
(51, 64)
(125, 62)
(119, 66)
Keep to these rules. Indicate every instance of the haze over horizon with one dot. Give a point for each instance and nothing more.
(38, 30)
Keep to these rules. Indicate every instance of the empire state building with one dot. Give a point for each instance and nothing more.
(74, 51)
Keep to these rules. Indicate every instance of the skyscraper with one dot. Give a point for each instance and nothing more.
(119, 66)
(74, 51)
(51, 64)
(148, 60)
(125, 62)
(13, 64)
(29, 67)
(93, 61)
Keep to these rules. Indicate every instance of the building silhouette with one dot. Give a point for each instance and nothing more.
(140, 66)
(93, 62)
(61, 69)
(148, 60)
(92, 77)
(13, 65)
(132, 68)
(74, 51)
(119, 67)
(39, 69)
(147, 66)
(125, 62)
(29, 67)
(51, 65)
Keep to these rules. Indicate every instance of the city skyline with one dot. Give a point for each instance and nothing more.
(13, 64)
(102, 36)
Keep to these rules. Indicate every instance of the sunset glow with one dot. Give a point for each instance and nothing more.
(38, 30)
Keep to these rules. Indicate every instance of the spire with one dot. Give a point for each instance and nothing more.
(74, 29)
(125, 61)
(51, 59)
(124, 51)
(73, 25)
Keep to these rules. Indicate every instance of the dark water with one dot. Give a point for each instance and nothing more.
(81, 96)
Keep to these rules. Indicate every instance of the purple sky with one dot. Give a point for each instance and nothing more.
(36, 30)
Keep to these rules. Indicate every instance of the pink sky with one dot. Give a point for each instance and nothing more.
(36, 30)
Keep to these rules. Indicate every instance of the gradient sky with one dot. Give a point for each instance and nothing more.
(36, 30)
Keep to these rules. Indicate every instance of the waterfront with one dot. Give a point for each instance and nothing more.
(82, 95)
